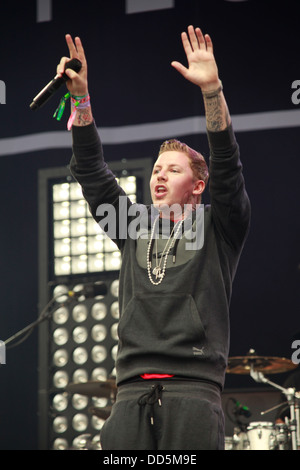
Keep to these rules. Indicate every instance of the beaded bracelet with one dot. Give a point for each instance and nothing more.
(213, 93)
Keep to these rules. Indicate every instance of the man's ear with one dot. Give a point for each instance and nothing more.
(199, 187)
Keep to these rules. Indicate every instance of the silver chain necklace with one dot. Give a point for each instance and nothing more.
(158, 271)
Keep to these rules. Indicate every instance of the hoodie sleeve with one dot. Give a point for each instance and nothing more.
(230, 204)
(99, 185)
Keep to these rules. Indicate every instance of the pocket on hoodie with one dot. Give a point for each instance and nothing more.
(149, 321)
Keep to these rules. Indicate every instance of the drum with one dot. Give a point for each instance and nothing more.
(283, 437)
(297, 413)
(239, 441)
(228, 443)
(261, 435)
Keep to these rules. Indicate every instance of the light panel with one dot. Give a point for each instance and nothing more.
(83, 348)
(76, 236)
(78, 343)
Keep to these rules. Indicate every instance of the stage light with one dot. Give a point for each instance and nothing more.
(62, 247)
(80, 313)
(114, 288)
(114, 352)
(114, 310)
(79, 402)
(99, 373)
(80, 422)
(78, 209)
(79, 246)
(80, 355)
(80, 376)
(60, 444)
(60, 357)
(60, 336)
(95, 244)
(96, 262)
(61, 210)
(60, 293)
(75, 191)
(63, 266)
(98, 333)
(78, 227)
(61, 229)
(114, 331)
(60, 379)
(128, 183)
(61, 315)
(93, 228)
(99, 311)
(60, 424)
(98, 354)
(61, 192)
(97, 423)
(80, 334)
(79, 264)
(112, 261)
(60, 402)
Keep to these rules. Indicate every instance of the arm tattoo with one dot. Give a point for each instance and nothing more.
(83, 117)
(217, 115)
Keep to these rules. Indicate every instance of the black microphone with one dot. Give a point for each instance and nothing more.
(45, 94)
(89, 290)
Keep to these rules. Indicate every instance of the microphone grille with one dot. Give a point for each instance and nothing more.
(74, 64)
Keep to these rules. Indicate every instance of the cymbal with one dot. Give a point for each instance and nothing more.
(102, 413)
(266, 365)
(105, 389)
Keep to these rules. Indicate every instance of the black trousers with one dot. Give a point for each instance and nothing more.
(165, 415)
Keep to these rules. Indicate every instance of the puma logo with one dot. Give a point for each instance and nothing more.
(198, 352)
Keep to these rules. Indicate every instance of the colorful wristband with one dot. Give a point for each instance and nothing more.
(77, 102)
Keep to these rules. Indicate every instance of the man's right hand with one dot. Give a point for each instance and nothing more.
(78, 84)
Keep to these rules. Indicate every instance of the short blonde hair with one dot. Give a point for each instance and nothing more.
(197, 161)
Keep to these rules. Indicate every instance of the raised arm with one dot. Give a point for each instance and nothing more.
(78, 83)
(202, 70)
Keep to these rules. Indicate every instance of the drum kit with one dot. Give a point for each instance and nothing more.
(257, 435)
(264, 435)
(96, 389)
(93, 389)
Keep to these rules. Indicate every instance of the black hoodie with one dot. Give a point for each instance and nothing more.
(180, 326)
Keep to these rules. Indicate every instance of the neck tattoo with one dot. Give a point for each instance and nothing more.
(159, 271)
